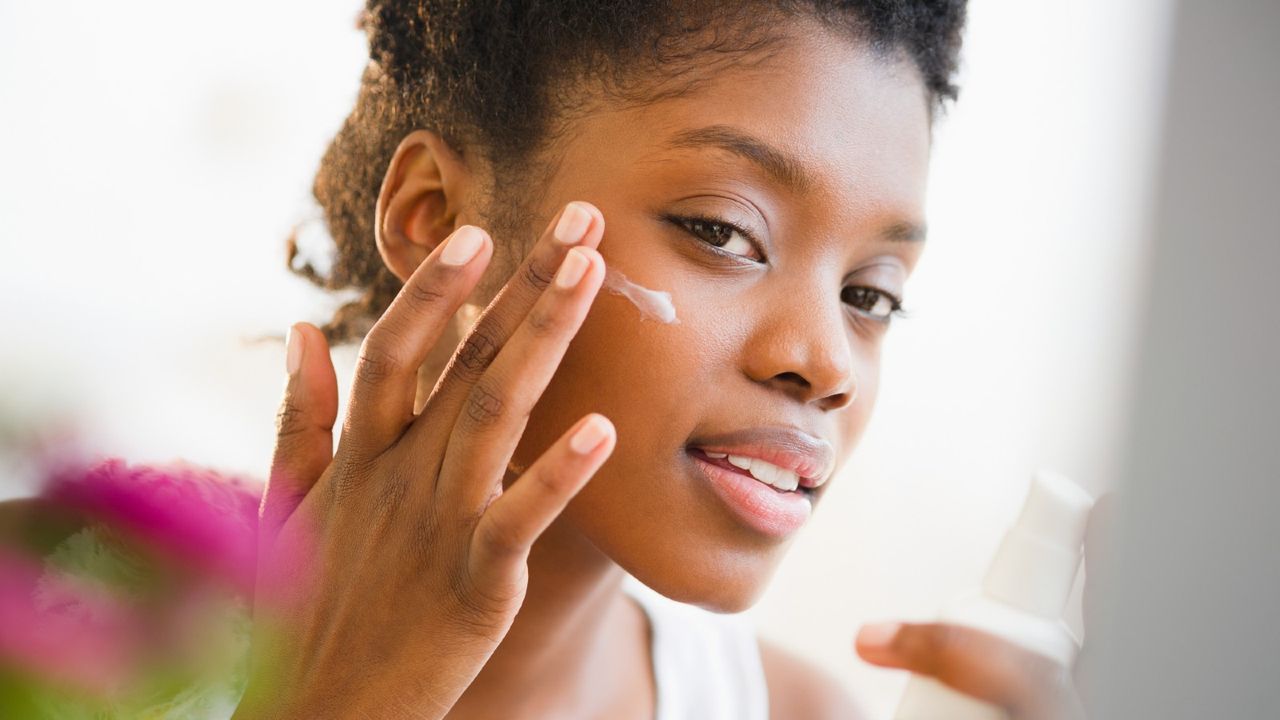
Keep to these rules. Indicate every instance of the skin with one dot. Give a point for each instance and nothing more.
(737, 359)
(410, 575)
(518, 609)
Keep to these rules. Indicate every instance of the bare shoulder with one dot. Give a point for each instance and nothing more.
(799, 688)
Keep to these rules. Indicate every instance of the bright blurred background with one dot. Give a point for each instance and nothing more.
(156, 154)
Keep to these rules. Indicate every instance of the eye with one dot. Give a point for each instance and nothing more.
(875, 304)
(722, 235)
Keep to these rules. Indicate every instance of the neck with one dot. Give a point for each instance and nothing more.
(577, 647)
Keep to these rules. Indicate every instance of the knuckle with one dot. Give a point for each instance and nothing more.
(542, 322)
(536, 275)
(375, 364)
(289, 419)
(484, 406)
(422, 296)
(551, 483)
(499, 538)
(925, 644)
(477, 351)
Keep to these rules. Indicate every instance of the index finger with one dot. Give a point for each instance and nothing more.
(976, 663)
(386, 372)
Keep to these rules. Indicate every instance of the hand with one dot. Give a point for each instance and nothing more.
(1026, 685)
(390, 571)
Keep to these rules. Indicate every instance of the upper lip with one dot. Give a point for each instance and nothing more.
(810, 458)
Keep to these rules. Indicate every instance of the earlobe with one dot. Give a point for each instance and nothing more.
(422, 196)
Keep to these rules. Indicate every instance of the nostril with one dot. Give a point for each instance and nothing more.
(795, 378)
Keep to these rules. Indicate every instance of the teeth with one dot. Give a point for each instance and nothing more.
(767, 473)
(773, 475)
(786, 480)
(763, 471)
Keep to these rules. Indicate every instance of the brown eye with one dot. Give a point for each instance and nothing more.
(725, 236)
(871, 302)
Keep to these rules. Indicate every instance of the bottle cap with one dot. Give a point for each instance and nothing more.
(1035, 565)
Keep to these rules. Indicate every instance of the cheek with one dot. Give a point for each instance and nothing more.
(643, 374)
(644, 509)
(638, 373)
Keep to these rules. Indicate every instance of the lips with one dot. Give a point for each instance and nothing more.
(766, 510)
(771, 455)
(768, 478)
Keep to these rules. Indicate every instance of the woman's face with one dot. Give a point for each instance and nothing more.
(818, 154)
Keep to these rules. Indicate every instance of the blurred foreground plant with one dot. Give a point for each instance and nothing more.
(125, 593)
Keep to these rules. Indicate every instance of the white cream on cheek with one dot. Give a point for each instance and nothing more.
(652, 304)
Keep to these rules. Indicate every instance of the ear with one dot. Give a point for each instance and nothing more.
(424, 192)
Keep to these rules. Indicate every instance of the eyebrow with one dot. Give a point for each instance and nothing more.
(784, 168)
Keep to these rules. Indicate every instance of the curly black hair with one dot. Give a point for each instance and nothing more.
(495, 77)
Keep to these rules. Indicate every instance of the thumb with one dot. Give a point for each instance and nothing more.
(304, 425)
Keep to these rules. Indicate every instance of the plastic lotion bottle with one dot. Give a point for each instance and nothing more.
(1022, 596)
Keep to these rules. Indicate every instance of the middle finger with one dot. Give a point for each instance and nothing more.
(579, 223)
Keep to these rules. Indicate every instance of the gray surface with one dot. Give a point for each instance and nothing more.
(1190, 628)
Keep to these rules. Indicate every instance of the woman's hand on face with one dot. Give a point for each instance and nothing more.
(390, 571)
(1028, 686)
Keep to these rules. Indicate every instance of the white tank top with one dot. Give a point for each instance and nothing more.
(706, 665)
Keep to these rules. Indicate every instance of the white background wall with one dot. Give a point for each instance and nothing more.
(155, 154)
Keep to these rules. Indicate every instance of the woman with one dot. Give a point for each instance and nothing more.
(518, 443)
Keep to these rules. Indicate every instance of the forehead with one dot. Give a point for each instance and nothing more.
(855, 124)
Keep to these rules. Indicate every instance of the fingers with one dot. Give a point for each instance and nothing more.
(518, 516)
(304, 424)
(976, 663)
(386, 374)
(497, 408)
(579, 223)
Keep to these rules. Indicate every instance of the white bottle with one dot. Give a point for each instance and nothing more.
(1022, 596)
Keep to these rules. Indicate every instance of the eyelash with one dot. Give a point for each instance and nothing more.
(687, 223)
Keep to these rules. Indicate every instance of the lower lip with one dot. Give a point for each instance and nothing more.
(759, 506)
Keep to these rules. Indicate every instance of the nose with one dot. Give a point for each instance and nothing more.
(802, 348)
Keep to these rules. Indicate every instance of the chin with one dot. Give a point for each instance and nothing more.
(720, 587)
(672, 533)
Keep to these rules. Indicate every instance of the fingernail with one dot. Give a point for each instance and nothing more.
(572, 268)
(462, 246)
(879, 634)
(573, 224)
(589, 436)
(293, 351)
